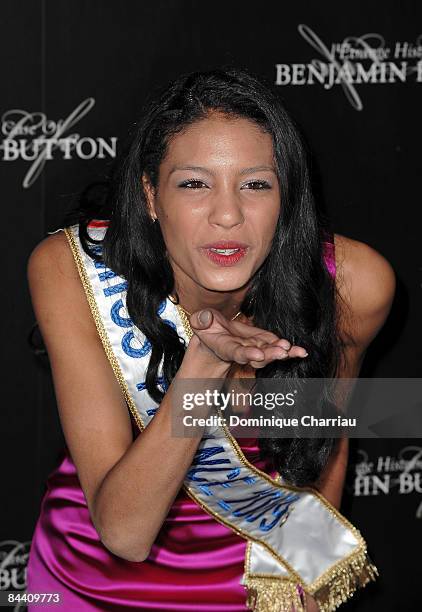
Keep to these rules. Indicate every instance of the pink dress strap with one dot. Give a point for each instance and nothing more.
(329, 254)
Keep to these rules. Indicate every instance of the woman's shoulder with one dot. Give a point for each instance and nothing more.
(55, 247)
(366, 282)
(359, 261)
(55, 284)
(51, 261)
(51, 254)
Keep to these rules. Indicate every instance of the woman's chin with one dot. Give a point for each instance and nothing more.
(224, 285)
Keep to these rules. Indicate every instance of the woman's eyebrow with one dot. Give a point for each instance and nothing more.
(258, 169)
(194, 168)
(207, 171)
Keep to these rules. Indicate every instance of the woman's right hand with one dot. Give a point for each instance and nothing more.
(218, 341)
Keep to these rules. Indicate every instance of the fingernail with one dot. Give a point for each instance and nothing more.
(285, 344)
(204, 317)
(305, 355)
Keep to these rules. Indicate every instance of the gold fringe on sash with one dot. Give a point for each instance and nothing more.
(343, 581)
(267, 594)
(271, 594)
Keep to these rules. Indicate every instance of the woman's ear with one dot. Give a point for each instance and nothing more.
(149, 195)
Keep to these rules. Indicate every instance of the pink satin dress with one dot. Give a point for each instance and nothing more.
(195, 564)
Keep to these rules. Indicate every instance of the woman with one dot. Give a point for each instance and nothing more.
(212, 263)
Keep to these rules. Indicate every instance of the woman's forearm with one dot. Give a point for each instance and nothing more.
(137, 493)
(331, 482)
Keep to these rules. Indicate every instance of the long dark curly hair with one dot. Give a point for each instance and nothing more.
(292, 294)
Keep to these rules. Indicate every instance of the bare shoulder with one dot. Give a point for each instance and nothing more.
(366, 285)
(52, 255)
(54, 283)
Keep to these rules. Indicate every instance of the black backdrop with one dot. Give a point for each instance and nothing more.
(88, 65)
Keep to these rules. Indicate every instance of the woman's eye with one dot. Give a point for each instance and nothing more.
(257, 185)
(192, 184)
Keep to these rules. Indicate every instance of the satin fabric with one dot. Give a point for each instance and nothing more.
(195, 564)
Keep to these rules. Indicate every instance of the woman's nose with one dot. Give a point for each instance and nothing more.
(226, 211)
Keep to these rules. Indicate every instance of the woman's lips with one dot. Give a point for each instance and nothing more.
(230, 259)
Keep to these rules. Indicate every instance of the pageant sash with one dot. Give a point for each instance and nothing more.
(295, 536)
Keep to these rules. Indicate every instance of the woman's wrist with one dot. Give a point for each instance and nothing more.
(201, 362)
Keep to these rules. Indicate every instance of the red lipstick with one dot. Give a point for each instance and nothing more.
(225, 252)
